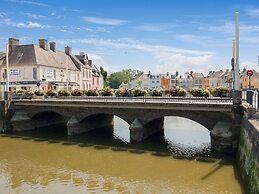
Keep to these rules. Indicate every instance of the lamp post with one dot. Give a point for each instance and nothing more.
(236, 66)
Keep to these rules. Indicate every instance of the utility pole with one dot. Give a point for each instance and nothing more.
(236, 66)
(233, 64)
(237, 100)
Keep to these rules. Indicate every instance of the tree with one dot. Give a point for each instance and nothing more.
(104, 74)
(115, 79)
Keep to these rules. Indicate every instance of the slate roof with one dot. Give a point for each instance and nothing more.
(197, 75)
(34, 55)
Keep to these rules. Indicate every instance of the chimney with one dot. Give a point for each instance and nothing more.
(227, 70)
(52, 46)
(68, 50)
(176, 73)
(43, 43)
(90, 63)
(210, 72)
(13, 42)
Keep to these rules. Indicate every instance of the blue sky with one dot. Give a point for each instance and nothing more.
(155, 35)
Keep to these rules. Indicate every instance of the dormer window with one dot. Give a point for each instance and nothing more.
(20, 55)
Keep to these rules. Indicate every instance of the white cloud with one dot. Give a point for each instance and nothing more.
(28, 2)
(155, 27)
(169, 58)
(104, 21)
(27, 24)
(249, 65)
(190, 38)
(229, 27)
(252, 12)
(35, 16)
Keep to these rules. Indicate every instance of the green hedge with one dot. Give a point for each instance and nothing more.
(200, 92)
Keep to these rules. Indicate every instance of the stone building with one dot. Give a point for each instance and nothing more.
(198, 80)
(42, 66)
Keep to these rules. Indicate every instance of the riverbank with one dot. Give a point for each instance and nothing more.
(248, 155)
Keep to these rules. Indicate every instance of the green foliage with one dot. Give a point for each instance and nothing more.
(39, 93)
(200, 92)
(155, 92)
(106, 91)
(178, 92)
(51, 93)
(90, 92)
(123, 93)
(76, 92)
(219, 91)
(139, 92)
(63, 93)
(115, 79)
(104, 74)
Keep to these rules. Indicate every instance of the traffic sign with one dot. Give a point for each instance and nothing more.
(249, 73)
(38, 83)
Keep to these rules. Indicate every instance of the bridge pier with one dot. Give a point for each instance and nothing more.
(74, 127)
(21, 122)
(139, 130)
(224, 138)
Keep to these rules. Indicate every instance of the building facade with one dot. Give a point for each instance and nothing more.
(43, 67)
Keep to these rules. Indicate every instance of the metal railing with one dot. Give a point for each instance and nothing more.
(148, 99)
(251, 97)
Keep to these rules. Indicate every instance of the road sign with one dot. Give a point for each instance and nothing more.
(249, 73)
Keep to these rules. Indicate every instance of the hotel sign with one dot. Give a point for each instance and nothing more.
(15, 73)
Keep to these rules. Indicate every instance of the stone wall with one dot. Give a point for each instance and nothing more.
(248, 155)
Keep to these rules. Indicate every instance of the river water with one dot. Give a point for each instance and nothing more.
(47, 161)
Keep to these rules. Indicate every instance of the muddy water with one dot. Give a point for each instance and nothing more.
(47, 161)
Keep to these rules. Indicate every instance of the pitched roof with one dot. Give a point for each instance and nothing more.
(34, 55)
(216, 74)
(197, 75)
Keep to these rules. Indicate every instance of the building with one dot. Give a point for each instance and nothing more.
(141, 81)
(86, 71)
(185, 81)
(198, 80)
(254, 81)
(215, 78)
(166, 81)
(155, 81)
(44, 67)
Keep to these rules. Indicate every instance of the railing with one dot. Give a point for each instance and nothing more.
(251, 97)
(146, 99)
(166, 99)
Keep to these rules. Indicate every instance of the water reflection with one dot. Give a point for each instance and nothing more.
(121, 130)
(186, 137)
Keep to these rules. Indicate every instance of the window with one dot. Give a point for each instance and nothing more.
(153, 81)
(157, 81)
(98, 81)
(54, 74)
(93, 80)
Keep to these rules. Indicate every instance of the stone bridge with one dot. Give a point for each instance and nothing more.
(144, 115)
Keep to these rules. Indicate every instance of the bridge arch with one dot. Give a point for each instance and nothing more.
(206, 119)
(97, 116)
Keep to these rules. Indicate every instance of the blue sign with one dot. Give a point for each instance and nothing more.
(34, 72)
